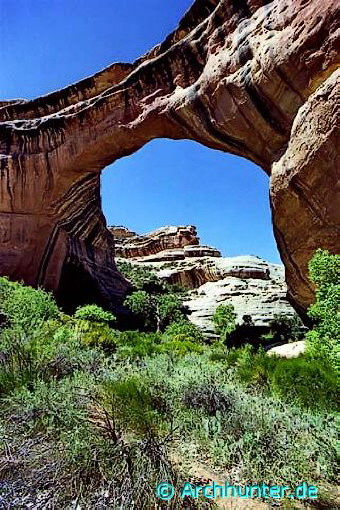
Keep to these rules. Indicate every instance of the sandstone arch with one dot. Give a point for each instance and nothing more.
(254, 77)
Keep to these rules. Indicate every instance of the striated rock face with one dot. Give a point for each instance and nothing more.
(253, 286)
(121, 233)
(255, 78)
(165, 238)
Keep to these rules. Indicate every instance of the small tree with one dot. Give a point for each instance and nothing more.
(324, 339)
(92, 327)
(141, 304)
(224, 320)
(168, 308)
(155, 310)
(141, 277)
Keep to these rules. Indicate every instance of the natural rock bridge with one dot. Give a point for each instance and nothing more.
(255, 78)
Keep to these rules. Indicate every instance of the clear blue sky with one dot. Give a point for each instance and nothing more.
(48, 44)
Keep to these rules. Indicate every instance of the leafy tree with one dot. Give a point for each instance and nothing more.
(168, 309)
(324, 339)
(224, 320)
(141, 304)
(141, 277)
(156, 311)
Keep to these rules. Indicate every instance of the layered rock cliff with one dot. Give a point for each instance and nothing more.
(257, 78)
(253, 286)
(129, 244)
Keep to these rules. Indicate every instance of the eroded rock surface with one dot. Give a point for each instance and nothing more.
(163, 239)
(253, 286)
(257, 78)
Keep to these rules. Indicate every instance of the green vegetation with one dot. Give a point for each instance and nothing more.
(324, 339)
(98, 416)
(155, 311)
(286, 328)
(225, 321)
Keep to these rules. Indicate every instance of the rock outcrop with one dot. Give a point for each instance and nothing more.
(291, 350)
(253, 286)
(160, 240)
(257, 78)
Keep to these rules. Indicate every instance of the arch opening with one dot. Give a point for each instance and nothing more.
(182, 182)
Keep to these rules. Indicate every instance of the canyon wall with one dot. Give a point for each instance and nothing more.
(256, 78)
(255, 287)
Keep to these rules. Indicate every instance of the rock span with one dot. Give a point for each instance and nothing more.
(255, 78)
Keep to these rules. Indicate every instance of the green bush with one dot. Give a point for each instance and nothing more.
(93, 313)
(136, 345)
(304, 382)
(133, 407)
(324, 340)
(96, 334)
(25, 307)
(51, 350)
(53, 406)
(219, 352)
(224, 320)
(183, 330)
(208, 399)
(301, 381)
(17, 367)
(255, 368)
(179, 347)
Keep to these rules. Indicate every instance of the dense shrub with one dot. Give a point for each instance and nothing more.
(183, 330)
(305, 382)
(324, 340)
(96, 334)
(207, 398)
(135, 344)
(255, 368)
(224, 320)
(179, 347)
(93, 313)
(25, 307)
(133, 407)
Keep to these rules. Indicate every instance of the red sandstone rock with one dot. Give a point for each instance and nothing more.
(255, 78)
(164, 238)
